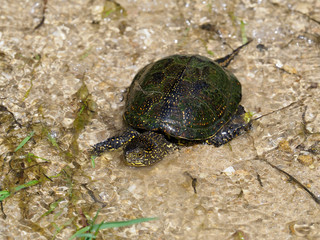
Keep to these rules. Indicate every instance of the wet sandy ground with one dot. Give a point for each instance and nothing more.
(65, 67)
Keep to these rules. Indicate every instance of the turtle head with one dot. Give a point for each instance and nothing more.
(145, 149)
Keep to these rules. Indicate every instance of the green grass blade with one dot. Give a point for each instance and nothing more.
(103, 225)
(243, 32)
(53, 206)
(4, 194)
(25, 185)
(52, 140)
(93, 161)
(78, 233)
(87, 235)
(30, 157)
(24, 141)
(120, 224)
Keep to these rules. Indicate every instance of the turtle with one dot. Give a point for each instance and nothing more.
(179, 100)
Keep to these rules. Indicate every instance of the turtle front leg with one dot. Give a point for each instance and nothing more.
(235, 127)
(147, 149)
(114, 142)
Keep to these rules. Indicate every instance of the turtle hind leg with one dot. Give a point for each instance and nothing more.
(147, 149)
(235, 127)
(114, 142)
(225, 61)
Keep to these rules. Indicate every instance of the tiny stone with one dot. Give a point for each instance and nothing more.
(306, 160)
(284, 146)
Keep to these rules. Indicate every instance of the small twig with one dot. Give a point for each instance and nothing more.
(47, 177)
(293, 179)
(259, 179)
(91, 194)
(84, 220)
(278, 110)
(307, 16)
(4, 215)
(43, 15)
(194, 182)
(4, 109)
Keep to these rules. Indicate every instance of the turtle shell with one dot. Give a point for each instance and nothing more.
(185, 96)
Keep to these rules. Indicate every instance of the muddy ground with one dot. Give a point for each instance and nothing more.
(64, 70)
